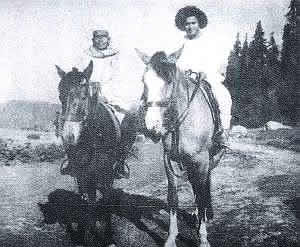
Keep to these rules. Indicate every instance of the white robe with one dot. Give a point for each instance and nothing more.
(198, 55)
(105, 76)
(105, 72)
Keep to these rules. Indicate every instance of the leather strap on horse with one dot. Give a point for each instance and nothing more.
(184, 114)
(213, 105)
(174, 130)
(206, 91)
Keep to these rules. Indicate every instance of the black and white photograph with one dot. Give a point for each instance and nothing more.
(149, 123)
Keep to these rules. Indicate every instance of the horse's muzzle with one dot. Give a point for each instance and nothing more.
(71, 133)
(153, 135)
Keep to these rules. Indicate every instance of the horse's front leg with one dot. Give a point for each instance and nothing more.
(172, 202)
(199, 177)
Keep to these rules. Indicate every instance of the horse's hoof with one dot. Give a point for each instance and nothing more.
(98, 225)
(85, 197)
(204, 244)
(170, 243)
(74, 226)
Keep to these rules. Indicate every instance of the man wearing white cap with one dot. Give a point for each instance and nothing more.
(106, 65)
(104, 81)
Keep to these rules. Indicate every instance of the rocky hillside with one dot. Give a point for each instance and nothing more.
(28, 115)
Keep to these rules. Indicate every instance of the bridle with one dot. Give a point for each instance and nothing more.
(169, 101)
(85, 107)
(172, 124)
(88, 113)
(162, 104)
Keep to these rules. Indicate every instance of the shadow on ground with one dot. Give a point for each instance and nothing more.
(136, 220)
(283, 187)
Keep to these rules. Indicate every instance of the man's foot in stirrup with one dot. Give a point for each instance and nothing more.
(66, 168)
(221, 141)
(215, 160)
(219, 148)
(121, 170)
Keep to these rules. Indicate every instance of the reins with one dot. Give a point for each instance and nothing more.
(173, 128)
(185, 112)
(168, 103)
(89, 111)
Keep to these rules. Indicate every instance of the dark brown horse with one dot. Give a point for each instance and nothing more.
(179, 112)
(91, 135)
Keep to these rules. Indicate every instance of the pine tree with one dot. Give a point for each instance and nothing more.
(232, 80)
(257, 61)
(244, 61)
(257, 48)
(242, 99)
(232, 70)
(273, 70)
(273, 52)
(256, 83)
(288, 97)
(237, 45)
(288, 54)
(272, 79)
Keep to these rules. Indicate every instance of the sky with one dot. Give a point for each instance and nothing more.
(37, 34)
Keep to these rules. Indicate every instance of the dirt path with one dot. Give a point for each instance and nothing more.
(254, 199)
(255, 188)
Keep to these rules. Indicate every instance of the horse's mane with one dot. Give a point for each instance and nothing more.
(164, 68)
(72, 78)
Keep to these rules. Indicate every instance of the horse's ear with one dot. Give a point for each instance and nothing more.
(60, 72)
(145, 58)
(89, 70)
(173, 57)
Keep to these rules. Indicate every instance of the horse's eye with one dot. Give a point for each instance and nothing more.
(82, 81)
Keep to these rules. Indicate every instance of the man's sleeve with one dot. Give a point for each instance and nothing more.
(115, 67)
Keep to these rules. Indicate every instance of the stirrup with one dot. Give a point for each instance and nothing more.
(216, 158)
(63, 168)
(125, 174)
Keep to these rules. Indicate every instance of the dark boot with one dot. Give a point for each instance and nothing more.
(220, 145)
(128, 135)
(220, 137)
(68, 165)
(121, 170)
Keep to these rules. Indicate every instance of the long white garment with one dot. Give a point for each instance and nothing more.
(199, 56)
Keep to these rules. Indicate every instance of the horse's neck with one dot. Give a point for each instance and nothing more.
(182, 91)
(186, 100)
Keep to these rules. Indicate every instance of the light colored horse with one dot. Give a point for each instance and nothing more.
(179, 112)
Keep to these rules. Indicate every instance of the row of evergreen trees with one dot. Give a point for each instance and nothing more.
(263, 79)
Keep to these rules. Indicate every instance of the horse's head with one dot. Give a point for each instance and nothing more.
(75, 98)
(158, 77)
